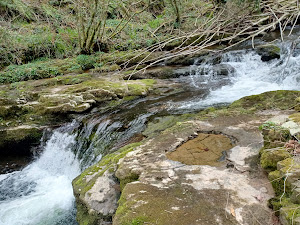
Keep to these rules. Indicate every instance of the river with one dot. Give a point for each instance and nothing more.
(41, 193)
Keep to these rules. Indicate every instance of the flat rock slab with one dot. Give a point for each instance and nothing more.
(173, 189)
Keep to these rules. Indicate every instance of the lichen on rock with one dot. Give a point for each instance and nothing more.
(285, 171)
(97, 190)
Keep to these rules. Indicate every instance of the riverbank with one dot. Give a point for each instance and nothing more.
(166, 176)
(121, 119)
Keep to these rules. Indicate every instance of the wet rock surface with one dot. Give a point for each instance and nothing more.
(27, 108)
(158, 175)
(156, 188)
(268, 52)
(205, 149)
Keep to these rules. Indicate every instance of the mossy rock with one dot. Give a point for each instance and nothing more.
(6, 101)
(290, 167)
(269, 100)
(295, 198)
(295, 117)
(270, 157)
(80, 185)
(275, 135)
(268, 52)
(142, 203)
(106, 68)
(290, 214)
(278, 202)
(162, 123)
(205, 149)
(282, 179)
(11, 111)
(279, 183)
(19, 140)
(53, 101)
(86, 182)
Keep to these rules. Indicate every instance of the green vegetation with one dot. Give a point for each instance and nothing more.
(34, 32)
(48, 29)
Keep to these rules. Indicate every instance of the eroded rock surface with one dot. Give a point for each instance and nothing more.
(205, 149)
(158, 189)
(209, 194)
(26, 108)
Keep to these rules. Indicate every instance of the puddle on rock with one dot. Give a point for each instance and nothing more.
(205, 149)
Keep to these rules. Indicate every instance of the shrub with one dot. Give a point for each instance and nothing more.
(86, 62)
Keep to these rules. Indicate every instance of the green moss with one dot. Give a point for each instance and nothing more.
(139, 220)
(295, 117)
(278, 182)
(148, 82)
(290, 212)
(118, 102)
(271, 48)
(128, 179)
(270, 157)
(275, 136)
(159, 124)
(86, 61)
(84, 217)
(289, 165)
(106, 68)
(107, 162)
(276, 203)
(140, 87)
(148, 204)
(269, 100)
(179, 126)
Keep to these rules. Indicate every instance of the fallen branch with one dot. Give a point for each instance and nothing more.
(222, 28)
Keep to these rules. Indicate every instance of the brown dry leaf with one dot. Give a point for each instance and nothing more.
(232, 212)
(293, 146)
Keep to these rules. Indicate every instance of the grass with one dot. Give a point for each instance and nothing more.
(38, 29)
(41, 29)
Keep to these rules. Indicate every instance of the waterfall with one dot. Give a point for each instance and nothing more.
(41, 194)
(246, 75)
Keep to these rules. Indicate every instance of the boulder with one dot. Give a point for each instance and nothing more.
(268, 52)
(97, 190)
(216, 70)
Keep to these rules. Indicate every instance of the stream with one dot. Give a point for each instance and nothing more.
(41, 193)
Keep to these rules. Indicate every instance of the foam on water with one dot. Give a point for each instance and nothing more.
(41, 194)
(251, 76)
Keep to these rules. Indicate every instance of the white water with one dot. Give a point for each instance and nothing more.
(251, 76)
(41, 194)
